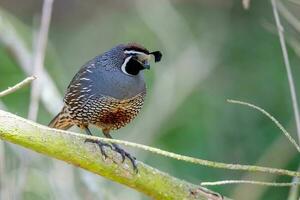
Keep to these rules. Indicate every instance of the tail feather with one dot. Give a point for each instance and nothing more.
(61, 121)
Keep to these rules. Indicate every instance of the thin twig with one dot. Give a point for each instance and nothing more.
(226, 182)
(288, 67)
(17, 86)
(289, 72)
(284, 131)
(39, 56)
(17, 47)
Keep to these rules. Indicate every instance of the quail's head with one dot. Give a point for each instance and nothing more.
(137, 58)
(121, 70)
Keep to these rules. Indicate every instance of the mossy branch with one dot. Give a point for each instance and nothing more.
(72, 149)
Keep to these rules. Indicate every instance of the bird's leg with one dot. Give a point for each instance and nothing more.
(99, 143)
(121, 151)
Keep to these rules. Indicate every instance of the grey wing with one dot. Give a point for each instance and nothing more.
(80, 88)
(81, 98)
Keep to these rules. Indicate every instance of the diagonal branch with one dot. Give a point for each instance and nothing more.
(71, 148)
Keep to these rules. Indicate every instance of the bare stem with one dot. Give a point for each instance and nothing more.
(288, 67)
(284, 131)
(17, 86)
(289, 72)
(39, 56)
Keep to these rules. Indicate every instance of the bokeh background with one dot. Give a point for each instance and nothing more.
(213, 50)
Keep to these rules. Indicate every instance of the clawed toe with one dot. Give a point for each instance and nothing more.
(116, 148)
(101, 146)
(125, 154)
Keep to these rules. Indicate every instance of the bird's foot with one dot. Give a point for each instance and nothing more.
(125, 154)
(101, 146)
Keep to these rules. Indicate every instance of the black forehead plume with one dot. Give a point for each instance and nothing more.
(136, 47)
(157, 55)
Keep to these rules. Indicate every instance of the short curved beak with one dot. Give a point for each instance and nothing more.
(146, 65)
(157, 57)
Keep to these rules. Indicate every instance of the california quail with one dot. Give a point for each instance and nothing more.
(108, 92)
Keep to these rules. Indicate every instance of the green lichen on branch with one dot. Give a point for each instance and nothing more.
(71, 148)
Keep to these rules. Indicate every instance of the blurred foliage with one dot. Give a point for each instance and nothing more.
(249, 67)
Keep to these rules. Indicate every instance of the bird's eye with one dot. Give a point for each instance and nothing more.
(131, 66)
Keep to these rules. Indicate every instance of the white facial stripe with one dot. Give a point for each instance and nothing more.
(134, 52)
(124, 64)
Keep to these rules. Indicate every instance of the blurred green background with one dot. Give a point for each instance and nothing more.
(213, 50)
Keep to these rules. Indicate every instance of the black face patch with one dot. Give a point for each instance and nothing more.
(133, 67)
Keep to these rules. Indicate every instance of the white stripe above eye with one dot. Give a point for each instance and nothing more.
(134, 52)
(124, 65)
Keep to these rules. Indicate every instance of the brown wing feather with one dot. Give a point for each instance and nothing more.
(61, 121)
